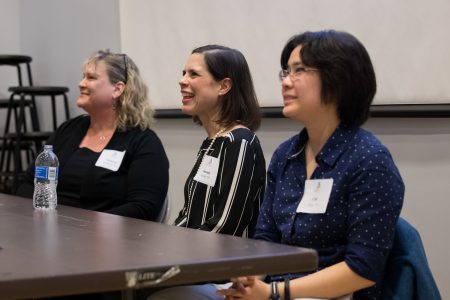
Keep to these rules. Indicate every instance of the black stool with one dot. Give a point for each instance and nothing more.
(15, 141)
(33, 92)
(18, 61)
(22, 65)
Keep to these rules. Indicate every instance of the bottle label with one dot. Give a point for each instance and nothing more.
(49, 173)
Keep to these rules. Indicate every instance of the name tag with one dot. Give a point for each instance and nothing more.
(207, 172)
(110, 159)
(316, 196)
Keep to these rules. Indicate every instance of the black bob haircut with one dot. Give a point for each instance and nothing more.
(346, 71)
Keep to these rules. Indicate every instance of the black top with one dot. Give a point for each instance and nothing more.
(137, 189)
(232, 205)
(74, 172)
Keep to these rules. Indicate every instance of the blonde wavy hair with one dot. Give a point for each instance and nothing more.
(133, 107)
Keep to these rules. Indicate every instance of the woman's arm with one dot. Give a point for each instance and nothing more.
(266, 228)
(147, 180)
(335, 281)
(374, 201)
(332, 282)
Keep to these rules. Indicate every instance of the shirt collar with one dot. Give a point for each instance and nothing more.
(331, 151)
(298, 144)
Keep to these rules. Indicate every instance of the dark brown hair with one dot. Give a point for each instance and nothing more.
(240, 104)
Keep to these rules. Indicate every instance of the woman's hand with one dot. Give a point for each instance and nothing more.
(246, 288)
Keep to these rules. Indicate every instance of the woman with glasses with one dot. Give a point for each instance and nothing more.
(109, 159)
(334, 186)
(224, 190)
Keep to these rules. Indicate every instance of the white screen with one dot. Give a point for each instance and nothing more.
(408, 41)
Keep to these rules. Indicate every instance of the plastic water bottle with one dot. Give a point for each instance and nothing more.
(45, 179)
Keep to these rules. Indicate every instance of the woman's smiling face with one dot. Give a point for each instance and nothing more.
(199, 89)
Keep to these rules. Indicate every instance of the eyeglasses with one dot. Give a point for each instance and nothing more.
(295, 72)
(126, 67)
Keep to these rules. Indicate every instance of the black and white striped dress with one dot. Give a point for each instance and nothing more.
(232, 205)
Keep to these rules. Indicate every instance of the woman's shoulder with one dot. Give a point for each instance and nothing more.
(146, 138)
(365, 139)
(146, 134)
(289, 146)
(241, 133)
(74, 124)
(367, 151)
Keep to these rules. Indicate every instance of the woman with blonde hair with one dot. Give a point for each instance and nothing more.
(110, 159)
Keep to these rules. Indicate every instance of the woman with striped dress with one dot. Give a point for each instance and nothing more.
(224, 190)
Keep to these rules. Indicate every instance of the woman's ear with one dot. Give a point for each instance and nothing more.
(119, 87)
(225, 86)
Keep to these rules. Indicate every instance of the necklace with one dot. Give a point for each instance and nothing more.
(100, 139)
(213, 140)
(101, 136)
(197, 164)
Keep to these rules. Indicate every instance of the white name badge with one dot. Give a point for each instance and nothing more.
(316, 196)
(207, 172)
(110, 159)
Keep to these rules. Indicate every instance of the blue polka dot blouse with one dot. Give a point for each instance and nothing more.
(359, 222)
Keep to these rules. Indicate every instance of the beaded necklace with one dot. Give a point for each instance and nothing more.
(196, 162)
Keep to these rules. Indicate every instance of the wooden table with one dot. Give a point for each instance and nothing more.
(75, 251)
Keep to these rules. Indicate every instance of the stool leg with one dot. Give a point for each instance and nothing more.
(30, 78)
(5, 163)
(3, 155)
(34, 115)
(18, 141)
(66, 106)
(54, 112)
(8, 114)
(19, 75)
(5, 149)
(17, 165)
